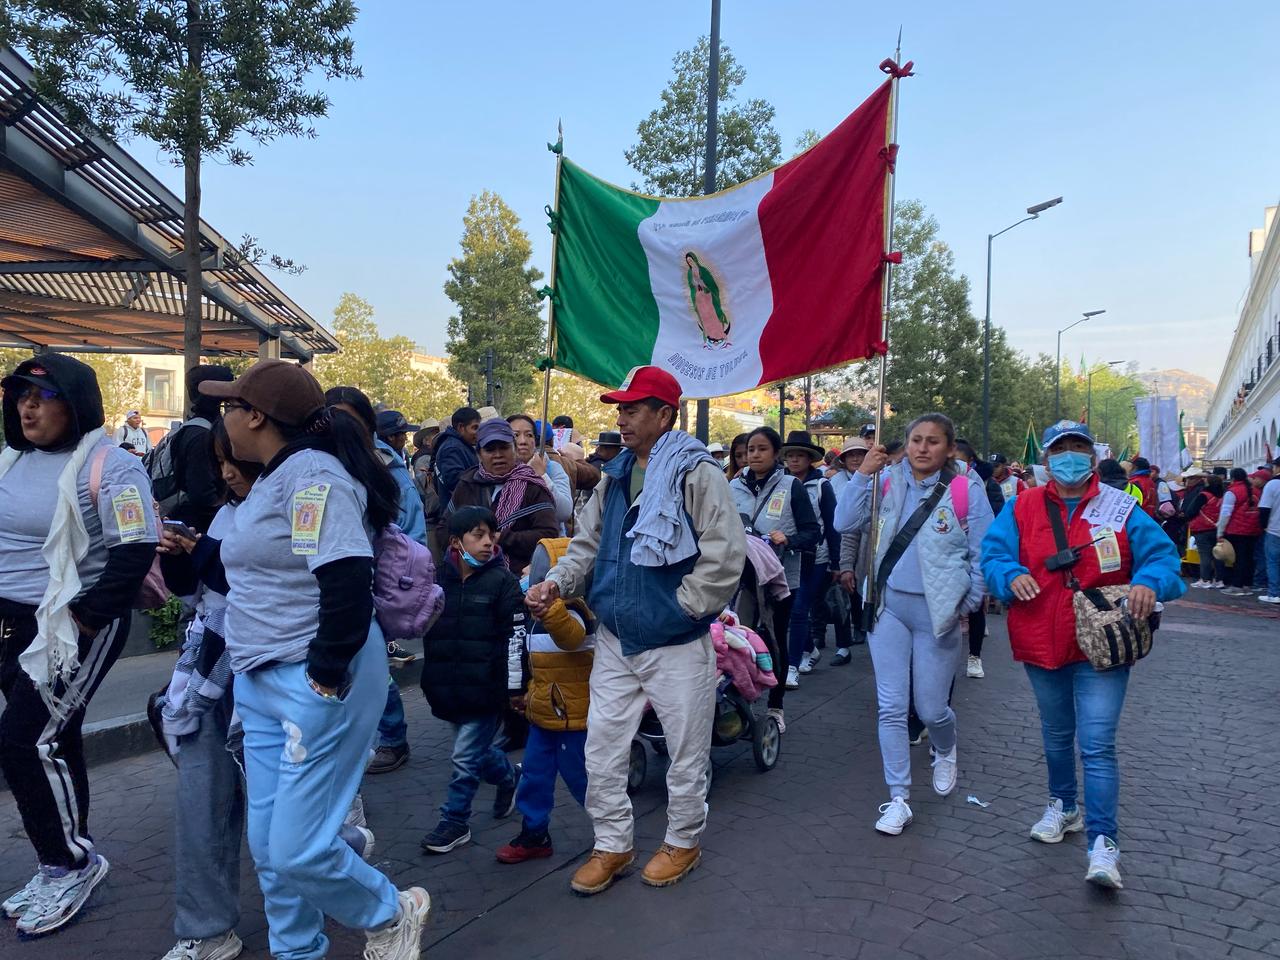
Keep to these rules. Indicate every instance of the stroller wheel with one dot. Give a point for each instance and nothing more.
(638, 767)
(766, 743)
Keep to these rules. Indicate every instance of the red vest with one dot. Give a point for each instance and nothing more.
(1042, 632)
(1207, 518)
(1150, 499)
(1244, 521)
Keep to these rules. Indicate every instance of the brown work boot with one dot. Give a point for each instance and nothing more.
(670, 865)
(600, 870)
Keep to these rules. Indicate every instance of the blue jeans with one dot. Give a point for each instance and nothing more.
(304, 757)
(546, 754)
(1080, 704)
(814, 578)
(475, 758)
(392, 730)
(1271, 549)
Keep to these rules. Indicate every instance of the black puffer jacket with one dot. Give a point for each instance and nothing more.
(465, 654)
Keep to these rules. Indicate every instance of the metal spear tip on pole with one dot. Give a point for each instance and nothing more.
(1040, 208)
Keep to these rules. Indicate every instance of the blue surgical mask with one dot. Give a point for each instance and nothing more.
(1071, 468)
(470, 560)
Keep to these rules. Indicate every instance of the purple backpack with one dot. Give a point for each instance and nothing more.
(406, 597)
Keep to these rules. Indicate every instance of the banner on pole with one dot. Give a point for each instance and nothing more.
(1159, 436)
(770, 280)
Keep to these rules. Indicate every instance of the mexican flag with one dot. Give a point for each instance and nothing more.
(1031, 451)
(1184, 455)
(772, 279)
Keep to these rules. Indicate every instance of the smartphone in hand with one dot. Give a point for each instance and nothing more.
(181, 529)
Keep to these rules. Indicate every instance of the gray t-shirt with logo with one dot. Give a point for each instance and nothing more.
(304, 514)
(124, 513)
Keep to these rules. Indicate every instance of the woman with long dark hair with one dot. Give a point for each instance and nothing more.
(1240, 525)
(737, 460)
(774, 506)
(309, 659)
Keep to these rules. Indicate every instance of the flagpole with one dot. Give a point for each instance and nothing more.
(886, 300)
(558, 150)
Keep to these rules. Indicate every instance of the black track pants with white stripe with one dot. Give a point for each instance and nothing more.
(42, 758)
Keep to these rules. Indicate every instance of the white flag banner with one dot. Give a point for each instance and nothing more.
(1158, 437)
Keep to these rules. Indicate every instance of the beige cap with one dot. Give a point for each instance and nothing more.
(854, 444)
(488, 413)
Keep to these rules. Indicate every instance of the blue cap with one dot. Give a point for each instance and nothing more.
(1065, 428)
(543, 428)
(494, 430)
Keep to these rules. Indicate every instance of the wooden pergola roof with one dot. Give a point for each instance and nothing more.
(91, 249)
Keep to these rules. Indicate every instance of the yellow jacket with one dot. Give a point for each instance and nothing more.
(559, 679)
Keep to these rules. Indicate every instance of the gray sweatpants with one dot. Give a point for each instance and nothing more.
(209, 827)
(906, 654)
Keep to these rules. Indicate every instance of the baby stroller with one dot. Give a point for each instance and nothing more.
(735, 717)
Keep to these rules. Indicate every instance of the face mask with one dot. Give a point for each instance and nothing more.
(470, 560)
(1071, 468)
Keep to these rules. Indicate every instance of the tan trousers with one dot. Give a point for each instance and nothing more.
(680, 683)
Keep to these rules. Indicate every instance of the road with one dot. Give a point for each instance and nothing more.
(793, 868)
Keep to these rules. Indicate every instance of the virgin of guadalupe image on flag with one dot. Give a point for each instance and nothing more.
(704, 294)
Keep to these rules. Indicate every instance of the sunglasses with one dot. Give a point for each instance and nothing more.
(38, 394)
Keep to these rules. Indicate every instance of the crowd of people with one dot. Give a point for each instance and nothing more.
(558, 596)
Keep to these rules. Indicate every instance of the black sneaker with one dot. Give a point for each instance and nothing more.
(841, 658)
(386, 759)
(445, 837)
(527, 846)
(398, 656)
(504, 801)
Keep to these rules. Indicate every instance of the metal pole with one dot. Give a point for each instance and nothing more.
(808, 401)
(702, 422)
(986, 363)
(551, 306)
(488, 377)
(782, 410)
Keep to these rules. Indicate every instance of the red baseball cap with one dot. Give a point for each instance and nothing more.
(644, 382)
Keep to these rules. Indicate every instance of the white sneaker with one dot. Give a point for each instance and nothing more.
(806, 663)
(944, 772)
(1200, 585)
(1055, 824)
(793, 678)
(61, 896)
(355, 813)
(225, 947)
(894, 815)
(776, 713)
(973, 669)
(921, 737)
(1217, 585)
(402, 940)
(17, 904)
(359, 839)
(1267, 598)
(815, 656)
(1104, 864)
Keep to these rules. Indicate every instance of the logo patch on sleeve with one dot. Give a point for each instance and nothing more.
(131, 516)
(308, 515)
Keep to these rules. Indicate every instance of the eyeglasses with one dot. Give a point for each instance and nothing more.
(229, 405)
(34, 394)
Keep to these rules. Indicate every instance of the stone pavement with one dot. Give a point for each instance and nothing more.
(793, 868)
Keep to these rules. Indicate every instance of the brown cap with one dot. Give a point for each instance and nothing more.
(280, 389)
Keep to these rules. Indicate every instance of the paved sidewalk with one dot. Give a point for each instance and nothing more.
(793, 868)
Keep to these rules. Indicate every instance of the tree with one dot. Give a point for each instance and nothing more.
(119, 380)
(809, 137)
(382, 367)
(495, 291)
(576, 397)
(671, 150)
(722, 427)
(197, 77)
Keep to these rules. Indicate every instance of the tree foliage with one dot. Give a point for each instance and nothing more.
(496, 293)
(382, 366)
(200, 78)
(670, 152)
(120, 380)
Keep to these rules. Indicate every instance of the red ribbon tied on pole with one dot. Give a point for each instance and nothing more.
(890, 155)
(897, 72)
(894, 258)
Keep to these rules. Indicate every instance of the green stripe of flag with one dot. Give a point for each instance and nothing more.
(606, 317)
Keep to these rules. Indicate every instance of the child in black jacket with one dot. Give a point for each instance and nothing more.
(467, 673)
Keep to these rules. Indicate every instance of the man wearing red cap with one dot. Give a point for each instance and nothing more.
(659, 552)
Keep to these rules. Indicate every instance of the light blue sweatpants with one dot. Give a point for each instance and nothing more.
(903, 650)
(304, 757)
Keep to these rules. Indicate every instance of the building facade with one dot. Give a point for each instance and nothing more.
(1244, 416)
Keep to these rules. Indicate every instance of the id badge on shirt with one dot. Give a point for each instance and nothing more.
(308, 514)
(1107, 547)
(131, 517)
(777, 503)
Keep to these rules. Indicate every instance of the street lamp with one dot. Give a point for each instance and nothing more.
(1033, 213)
(1057, 373)
(1088, 403)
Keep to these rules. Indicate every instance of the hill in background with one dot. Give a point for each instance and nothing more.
(1193, 392)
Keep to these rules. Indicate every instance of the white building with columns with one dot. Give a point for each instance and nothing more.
(1244, 415)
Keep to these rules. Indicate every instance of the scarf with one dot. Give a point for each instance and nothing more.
(514, 485)
(54, 654)
(661, 535)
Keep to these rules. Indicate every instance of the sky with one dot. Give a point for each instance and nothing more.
(1154, 120)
